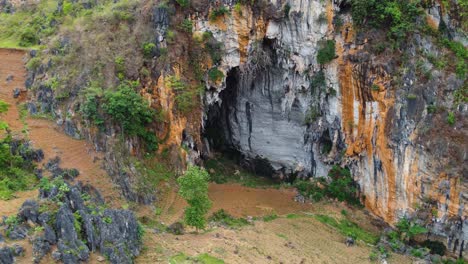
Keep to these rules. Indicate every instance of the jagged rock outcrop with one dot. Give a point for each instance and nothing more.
(78, 227)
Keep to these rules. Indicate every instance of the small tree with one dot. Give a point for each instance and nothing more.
(194, 189)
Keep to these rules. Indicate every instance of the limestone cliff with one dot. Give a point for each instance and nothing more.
(379, 110)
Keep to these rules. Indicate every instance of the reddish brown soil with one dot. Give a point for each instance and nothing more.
(45, 135)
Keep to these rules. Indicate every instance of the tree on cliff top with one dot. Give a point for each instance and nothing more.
(193, 187)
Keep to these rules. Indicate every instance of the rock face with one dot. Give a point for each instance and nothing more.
(80, 226)
(285, 115)
(406, 158)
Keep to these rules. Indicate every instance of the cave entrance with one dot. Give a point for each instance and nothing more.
(222, 149)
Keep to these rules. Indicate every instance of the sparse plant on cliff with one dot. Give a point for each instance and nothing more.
(286, 10)
(218, 12)
(215, 75)
(183, 3)
(451, 118)
(193, 187)
(407, 229)
(326, 53)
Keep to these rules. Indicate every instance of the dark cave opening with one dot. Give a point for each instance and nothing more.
(218, 131)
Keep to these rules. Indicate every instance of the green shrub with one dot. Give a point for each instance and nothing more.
(33, 63)
(149, 49)
(269, 218)
(286, 10)
(238, 8)
(396, 15)
(318, 80)
(186, 25)
(215, 75)
(193, 187)
(131, 112)
(451, 118)
(407, 229)
(341, 186)
(16, 173)
(218, 12)
(185, 96)
(326, 53)
(183, 3)
(348, 228)
(28, 38)
(222, 217)
(311, 116)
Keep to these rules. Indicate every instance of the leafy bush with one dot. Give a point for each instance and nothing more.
(397, 15)
(215, 75)
(341, 186)
(149, 49)
(318, 80)
(451, 118)
(28, 38)
(193, 187)
(218, 12)
(407, 229)
(286, 10)
(128, 109)
(185, 95)
(326, 53)
(348, 228)
(186, 25)
(183, 3)
(222, 217)
(16, 172)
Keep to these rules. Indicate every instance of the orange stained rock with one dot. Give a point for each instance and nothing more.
(359, 137)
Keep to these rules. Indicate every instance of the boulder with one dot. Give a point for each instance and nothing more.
(176, 228)
(29, 211)
(6, 256)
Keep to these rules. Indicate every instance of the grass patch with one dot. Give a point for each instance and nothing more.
(348, 228)
(292, 216)
(202, 258)
(16, 167)
(269, 218)
(223, 218)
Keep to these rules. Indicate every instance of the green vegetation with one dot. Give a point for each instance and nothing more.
(193, 187)
(185, 95)
(215, 75)
(225, 219)
(16, 173)
(397, 15)
(218, 12)
(340, 186)
(326, 53)
(286, 10)
(204, 258)
(451, 118)
(318, 80)
(407, 230)
(183, 3)
(126, 108)
(269, 218)
(461, 53)
(186, 25)
(348, 228)
(149, 49)
(312, 115)
(16, 165)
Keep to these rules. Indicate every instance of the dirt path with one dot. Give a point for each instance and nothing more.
(45, 135)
